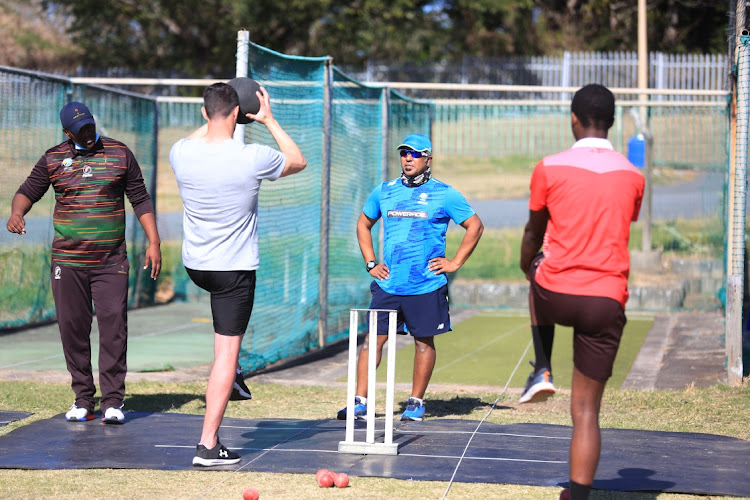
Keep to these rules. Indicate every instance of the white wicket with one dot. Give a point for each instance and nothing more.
(369, 446)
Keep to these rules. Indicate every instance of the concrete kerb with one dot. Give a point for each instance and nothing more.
(468, 294)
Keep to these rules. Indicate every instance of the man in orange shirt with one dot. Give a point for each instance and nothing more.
(581, 206)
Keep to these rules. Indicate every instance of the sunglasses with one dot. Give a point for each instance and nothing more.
(414, 154)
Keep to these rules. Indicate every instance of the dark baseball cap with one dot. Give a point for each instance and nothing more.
(75, 115)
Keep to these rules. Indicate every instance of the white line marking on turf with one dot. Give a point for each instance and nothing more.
(254, 459)
(130, 339)
(500, 337)
(419, 455)
(485, 418)
(497, 459)
(47, 358)
(168, 330)
(400, 431)
(510, 313)
(485, 434)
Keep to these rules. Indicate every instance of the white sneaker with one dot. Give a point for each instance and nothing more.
(113, 416)
(76, 414)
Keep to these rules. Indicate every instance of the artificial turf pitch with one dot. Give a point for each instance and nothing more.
(485, 350)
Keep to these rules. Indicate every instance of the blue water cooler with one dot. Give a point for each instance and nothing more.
(637, 150)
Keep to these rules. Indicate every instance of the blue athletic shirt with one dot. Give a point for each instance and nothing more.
(415, 220)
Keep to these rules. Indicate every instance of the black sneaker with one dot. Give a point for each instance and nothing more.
(218, 455)
(240, 391)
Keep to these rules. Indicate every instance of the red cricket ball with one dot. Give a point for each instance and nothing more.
(325, 480)
(250, 494)
(341, 480)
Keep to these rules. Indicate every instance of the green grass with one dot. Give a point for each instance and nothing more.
(495, 258)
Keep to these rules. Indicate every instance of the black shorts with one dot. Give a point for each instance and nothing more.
(424, 315)
(232, 296)
(597, 324)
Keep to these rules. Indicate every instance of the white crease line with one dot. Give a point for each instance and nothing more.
(294, 429)
(256, 458)
(305, 450)
(484, 434)
(497, 459)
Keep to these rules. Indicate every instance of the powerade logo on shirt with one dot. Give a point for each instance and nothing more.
(407, 214)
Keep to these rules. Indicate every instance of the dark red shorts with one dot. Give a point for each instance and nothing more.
(597, 324)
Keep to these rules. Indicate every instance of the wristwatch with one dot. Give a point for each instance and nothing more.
(371, 265)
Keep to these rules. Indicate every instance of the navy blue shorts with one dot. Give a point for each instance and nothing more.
(424, 315)
(232, 297)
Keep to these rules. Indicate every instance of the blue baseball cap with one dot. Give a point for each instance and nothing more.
(417, 142)
(75, 115)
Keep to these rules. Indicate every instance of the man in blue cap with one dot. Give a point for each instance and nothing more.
(416, 210)
(91, 176)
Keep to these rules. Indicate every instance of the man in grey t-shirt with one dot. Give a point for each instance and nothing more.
(219, 179)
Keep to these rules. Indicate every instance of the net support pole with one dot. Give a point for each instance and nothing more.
(243, 49)
(325, 180)
(384, 128)
(736, 210)
(152, 192)
(646, 214)
(386, 157)
(647, 203)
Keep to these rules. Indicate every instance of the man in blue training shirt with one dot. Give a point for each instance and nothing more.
(416, 210)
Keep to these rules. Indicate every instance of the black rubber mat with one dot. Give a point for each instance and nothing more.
(532, 454)
(7, 417)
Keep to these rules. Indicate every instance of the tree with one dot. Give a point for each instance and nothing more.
(491, 27)
(188, 36)
(674, 26)
(34, 41)
(197, 37)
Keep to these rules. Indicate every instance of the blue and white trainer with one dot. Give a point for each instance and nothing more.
(539, 387)
(414, 410)
(360, 410)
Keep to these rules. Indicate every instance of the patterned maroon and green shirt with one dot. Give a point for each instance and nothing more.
(90, 188)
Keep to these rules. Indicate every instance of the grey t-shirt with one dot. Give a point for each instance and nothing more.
(219, 186)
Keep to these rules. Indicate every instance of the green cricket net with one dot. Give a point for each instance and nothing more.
(30, 125)
(311, 270)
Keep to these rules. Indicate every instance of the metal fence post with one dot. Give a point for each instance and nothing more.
(325, 179)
